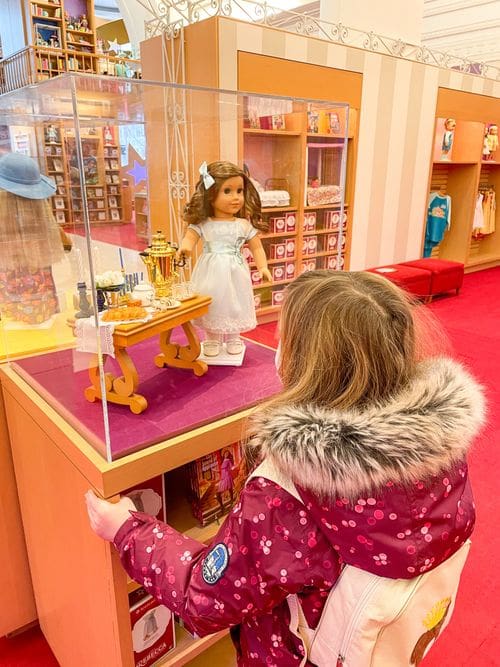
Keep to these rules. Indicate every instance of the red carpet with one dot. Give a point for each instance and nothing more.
(472, 320)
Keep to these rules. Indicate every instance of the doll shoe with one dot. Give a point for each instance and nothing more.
(211, 348)
(235, 346)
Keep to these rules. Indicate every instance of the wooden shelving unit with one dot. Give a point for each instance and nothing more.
(142, 229)
(104, 199)
(284, 160)
(62, 36)
(463, 175)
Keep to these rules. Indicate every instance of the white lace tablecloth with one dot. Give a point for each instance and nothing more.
(86, 336)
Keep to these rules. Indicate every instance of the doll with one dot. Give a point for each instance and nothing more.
(224, 212)
(492, 140)
(51, 136)
(447, 143)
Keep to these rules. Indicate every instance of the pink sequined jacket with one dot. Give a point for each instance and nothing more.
(385, 489)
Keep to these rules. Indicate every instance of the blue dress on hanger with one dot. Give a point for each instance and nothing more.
(438, 220)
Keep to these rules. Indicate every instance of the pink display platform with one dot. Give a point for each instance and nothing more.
(178, 401)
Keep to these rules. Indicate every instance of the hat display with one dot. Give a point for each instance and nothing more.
(20, 175)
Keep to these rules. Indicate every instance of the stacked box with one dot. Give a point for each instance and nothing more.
(277, 250)
(278, 272)
(290, 222)
(277, 297)
(309, 223)
(152, 624)
(277, 225)
(149, 497)
(215, 482)
(309, 265)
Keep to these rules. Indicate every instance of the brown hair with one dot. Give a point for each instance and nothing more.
(348, 340)
(29, 233)
(200, 207)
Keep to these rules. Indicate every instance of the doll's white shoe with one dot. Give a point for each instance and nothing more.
(234, 346)
(211, 348)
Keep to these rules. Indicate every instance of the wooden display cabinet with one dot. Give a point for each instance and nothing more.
(291, 157)
(463, 174)
(77, 577)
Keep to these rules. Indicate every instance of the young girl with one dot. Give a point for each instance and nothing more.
(224, 213)
(375, 440)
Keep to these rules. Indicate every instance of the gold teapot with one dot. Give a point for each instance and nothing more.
(161, 263)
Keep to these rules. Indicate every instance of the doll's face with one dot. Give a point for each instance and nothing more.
(229, 199)
(493, 129)
(450, 124)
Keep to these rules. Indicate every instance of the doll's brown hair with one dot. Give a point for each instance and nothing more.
(200, 206)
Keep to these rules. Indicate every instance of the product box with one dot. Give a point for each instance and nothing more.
(333, 263)
(290, 222)
(331, 242)
(257, 300)
(277, 297)
(332, 220)
(277, 225)
(247, 253)
(153, 633)
(149, 497)
(290, 248)
(215, 482)
(290, 270)
(308, 265)
(309, 223)
(278, 272)
(305, 246)
(312, 244)
(277, 250)
(255, 277)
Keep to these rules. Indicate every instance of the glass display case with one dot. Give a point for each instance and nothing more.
(98, 314)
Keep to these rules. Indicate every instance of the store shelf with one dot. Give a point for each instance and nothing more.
(268, 310)
(274, 283)
(188, 648)
(278, 235)
(320, 207)
(269, 133)
(278, 209)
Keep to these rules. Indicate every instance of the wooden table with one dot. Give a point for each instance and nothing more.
(123, 389)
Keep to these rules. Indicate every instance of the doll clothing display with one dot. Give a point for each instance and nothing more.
(438, 220)
(489, 211)
(222, 273)
(478, 223)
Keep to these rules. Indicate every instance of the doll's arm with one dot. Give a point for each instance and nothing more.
(259, 255)
(188, 243)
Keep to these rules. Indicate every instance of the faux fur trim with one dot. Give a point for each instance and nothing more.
(426, 428)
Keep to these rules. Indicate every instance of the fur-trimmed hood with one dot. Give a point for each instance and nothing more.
(425, 429)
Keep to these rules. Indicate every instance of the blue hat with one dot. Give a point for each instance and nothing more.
(20, 175)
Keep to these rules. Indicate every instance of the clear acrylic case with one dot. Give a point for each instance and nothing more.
(125, 159)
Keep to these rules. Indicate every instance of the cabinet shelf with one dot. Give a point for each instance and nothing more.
(324, 206)
(274, 283)
(268, 133)
(278, 235)
(276, 209)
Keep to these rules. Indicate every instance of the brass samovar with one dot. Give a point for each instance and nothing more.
(161, 263)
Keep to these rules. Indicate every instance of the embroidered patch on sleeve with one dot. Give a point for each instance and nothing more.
(215, 563)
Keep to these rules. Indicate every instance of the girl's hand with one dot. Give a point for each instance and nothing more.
(266, 274)
(107, 518)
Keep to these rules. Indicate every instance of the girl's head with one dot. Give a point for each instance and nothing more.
(200, 207)
(450, 124)
(347, 340)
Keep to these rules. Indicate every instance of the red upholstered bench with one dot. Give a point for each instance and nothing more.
(445, 275)
(414, 280)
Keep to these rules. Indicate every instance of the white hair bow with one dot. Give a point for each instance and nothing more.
(208, 180)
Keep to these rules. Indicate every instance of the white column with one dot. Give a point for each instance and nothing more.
(390, 18)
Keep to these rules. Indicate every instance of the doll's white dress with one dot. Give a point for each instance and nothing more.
(222, 273)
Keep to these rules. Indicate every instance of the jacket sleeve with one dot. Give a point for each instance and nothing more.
(259, 555)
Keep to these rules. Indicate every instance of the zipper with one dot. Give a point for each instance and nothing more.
(358, 609)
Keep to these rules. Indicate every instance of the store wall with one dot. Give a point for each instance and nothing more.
(396, 128)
